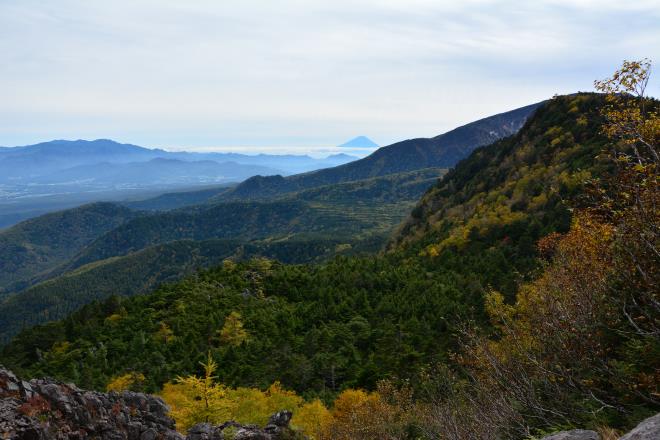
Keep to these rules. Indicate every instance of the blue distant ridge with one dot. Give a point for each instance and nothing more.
(360, 142)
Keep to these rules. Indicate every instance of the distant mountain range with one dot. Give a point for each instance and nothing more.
(49, 158)
(350, 206)
(443, 151)
(44, 177)
(474, 231)
(154, 172)
(360, 142)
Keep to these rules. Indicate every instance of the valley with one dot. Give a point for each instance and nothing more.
(355, 207)
(55, 175)
(329, 220)
(358, 277)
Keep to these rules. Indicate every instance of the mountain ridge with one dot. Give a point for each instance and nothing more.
(359, 142)
(442, 151)
(38, 245)
(311, 225)
(539, 169)
(46, 177)
(396, 311)
(126, 152)
(340, 209)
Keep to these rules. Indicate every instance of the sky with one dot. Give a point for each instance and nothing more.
(298, 76)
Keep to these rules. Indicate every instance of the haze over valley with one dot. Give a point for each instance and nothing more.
(329, 220)
(40, 178)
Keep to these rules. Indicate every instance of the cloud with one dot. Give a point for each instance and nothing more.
(209, 73)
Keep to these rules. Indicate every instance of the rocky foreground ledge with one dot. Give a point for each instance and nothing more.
(648, 429)
(44, 409)
(47, 409)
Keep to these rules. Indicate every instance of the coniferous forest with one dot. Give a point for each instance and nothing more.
(517, 296)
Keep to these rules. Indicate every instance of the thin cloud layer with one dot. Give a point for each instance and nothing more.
(297, 74)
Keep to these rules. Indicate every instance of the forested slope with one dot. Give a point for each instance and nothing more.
(443, 151)
(143, 271)
(349, 322)
(529, 179)
(350, 211)
(309, 226)
(39, 245)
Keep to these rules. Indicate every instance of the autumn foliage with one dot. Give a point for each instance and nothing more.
(528, 305)
(579, 346)
(355, 413)
(126, 382)
(581, 343)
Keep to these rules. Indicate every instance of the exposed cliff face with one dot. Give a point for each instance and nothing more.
(44, 409)
(47, 409)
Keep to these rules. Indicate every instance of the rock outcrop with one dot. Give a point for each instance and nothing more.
(648, 429)
(276, 429)
(49, 409)
(44, 409)
(574, 434)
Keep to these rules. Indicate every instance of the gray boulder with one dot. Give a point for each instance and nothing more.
(45, 409)
(648, 429)
(205, 431)
(277, 428)
(281, 419)
(252, 433)
(574, 434)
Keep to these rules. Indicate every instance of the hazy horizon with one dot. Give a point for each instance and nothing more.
(292, 77)
(317, 151)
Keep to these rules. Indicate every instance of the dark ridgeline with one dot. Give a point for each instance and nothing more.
(341, 210)
(443, 151)
(394, 310)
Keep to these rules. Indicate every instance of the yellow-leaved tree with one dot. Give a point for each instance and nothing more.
(232, 332)
(130, 381)
(579, 342)
(313, 419)
(251, 405)
(195, 399)
(357, 414)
